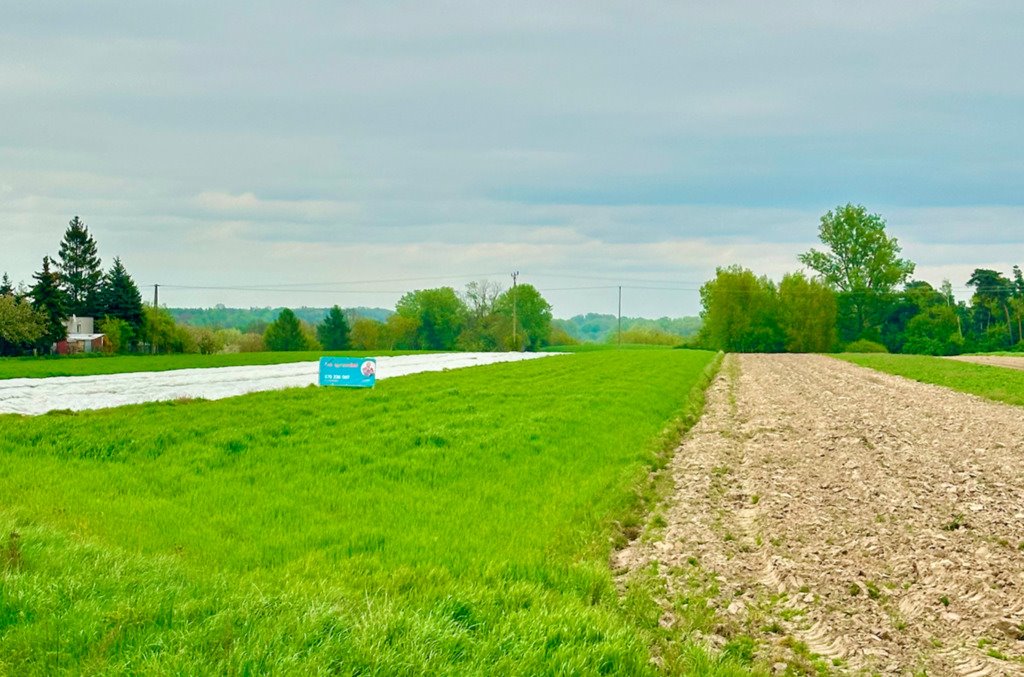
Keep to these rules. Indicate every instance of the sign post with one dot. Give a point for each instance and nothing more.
(348, 372)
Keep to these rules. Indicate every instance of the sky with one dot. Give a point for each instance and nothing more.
(311, 153)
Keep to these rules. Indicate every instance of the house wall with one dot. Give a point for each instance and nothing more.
(80, 325)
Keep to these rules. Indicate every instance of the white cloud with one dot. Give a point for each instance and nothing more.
(248, 205)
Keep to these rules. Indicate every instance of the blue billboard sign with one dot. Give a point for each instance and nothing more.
(350, 372)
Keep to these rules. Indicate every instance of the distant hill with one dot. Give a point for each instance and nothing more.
(597, 328)
(257, 318)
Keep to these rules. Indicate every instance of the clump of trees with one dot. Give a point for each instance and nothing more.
(860, 296)
(747, 313)
(72, 284)
(482, 318)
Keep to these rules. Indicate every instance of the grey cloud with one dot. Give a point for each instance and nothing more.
(589, 126)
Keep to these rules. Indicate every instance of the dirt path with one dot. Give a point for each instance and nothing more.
(992, 360)
(874, 521)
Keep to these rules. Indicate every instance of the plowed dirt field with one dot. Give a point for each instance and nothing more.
(992, 360)
(829, 509)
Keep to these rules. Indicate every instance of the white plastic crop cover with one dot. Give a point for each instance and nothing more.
(40, 395)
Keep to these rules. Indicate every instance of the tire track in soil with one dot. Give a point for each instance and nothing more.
(878, 520)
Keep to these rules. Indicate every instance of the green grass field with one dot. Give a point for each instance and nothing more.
(442, 523)
(995, 383)
(82, 365)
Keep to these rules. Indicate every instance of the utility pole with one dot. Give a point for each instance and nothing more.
(620, 315)
(156, 306)
(515, 312)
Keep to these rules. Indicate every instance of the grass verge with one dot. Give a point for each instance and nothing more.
(456, 523)
(678, 646)
(995, 383)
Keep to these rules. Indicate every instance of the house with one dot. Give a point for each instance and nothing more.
(82, 337)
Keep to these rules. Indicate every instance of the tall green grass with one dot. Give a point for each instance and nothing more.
(995, 383)
(455, 523)
(86, 365)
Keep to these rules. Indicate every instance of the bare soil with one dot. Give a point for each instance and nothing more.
(850, 519)
(992, 360)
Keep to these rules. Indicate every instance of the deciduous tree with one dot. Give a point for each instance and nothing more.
(862, 261)
(439, 314)
(532, 312)
(483, 328)
(741, 313)
(366, 334)
(992, 293)
(163, 333)
(21, 326)
(808, 310)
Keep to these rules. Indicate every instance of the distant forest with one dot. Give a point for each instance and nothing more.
(597, 328)
(258, 319)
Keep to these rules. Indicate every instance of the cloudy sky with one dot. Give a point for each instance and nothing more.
(348, 151)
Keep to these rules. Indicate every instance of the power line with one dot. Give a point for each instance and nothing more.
(610, 279)
(335, 283)
(288, 291)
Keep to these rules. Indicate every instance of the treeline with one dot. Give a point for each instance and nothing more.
(860, 297)
(603, 328)
(35, 318)
(481, 318)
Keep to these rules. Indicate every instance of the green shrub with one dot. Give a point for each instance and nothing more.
(865, 346)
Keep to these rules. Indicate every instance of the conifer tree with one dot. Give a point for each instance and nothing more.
(285, 333)
(120, 297)
(333, 332)
(6, 287)
(81, 275)
(48, 298)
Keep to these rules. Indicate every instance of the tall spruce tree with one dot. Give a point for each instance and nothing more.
(120, 297)
(333, 332)
(48, 298)
(284, 333)
(6, 286)
(81, 274)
